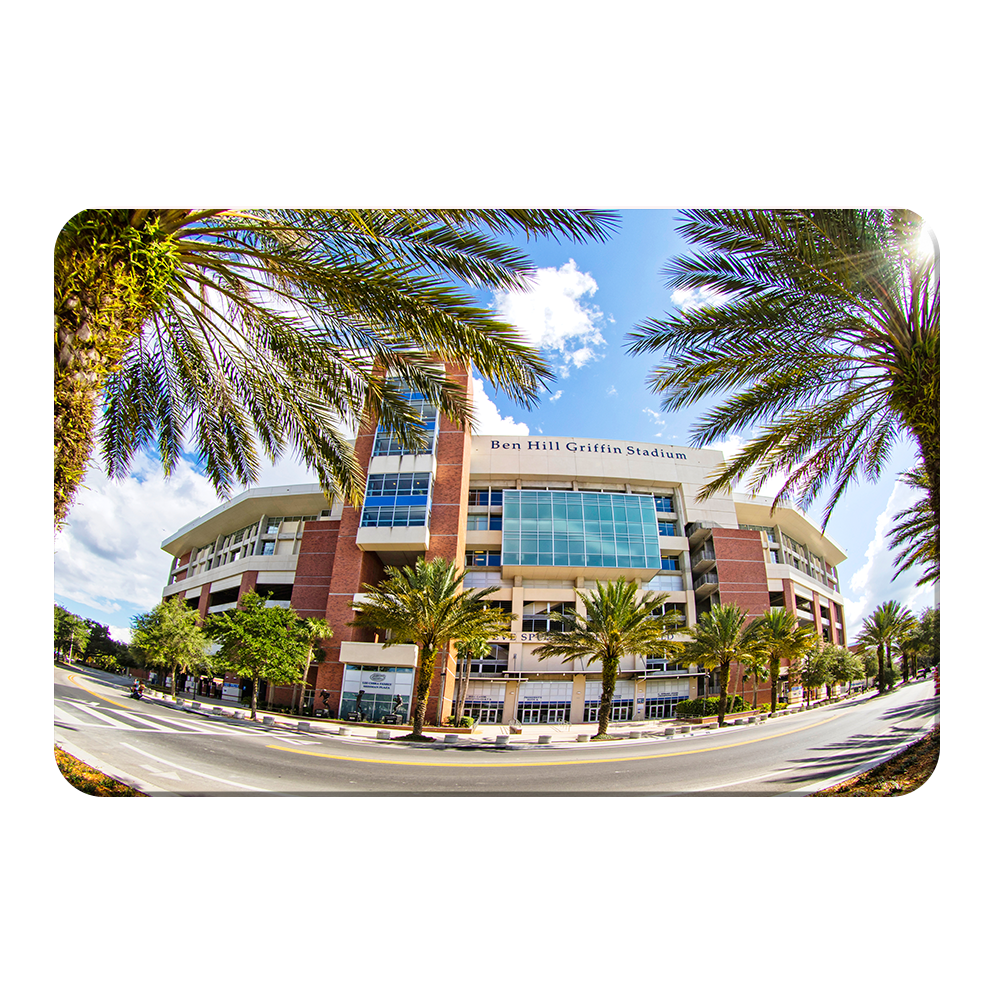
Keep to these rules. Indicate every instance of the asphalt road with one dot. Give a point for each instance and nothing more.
(172, 751)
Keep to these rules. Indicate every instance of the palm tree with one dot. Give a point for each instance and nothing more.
(779, 635)
(721, 637)
(315, 631)
(467, 652)
(918, 533)
(615, 623)
(426, 605)
(826, 340)
(264, 330)
(881, 630)
(756, 668)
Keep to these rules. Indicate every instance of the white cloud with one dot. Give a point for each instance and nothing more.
(108, 555)
(555, 396)
(486, 417)
(552, 316)
(690, 299)
(873, 583)
(612, 391)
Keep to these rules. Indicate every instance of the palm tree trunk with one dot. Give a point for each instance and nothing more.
(87, 350)
(881, 670)
(463, 685)
(724, 696)
(775, 673)
(425, 675)
(609, 675)
(253, 698)
(305, 677)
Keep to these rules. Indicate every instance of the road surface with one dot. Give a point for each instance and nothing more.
(172, 751)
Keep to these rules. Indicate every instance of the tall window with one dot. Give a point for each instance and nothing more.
(387, 443)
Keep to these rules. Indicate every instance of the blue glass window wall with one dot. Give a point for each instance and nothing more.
(561, 528)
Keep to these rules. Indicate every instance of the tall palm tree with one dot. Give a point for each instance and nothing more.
(881, 630)
(427, 606)
(779, 635)
(917, 532)
(615, 623)
(756, 669)
(264, 330)
(825, 344)
(720, 637)
(315, 631)
(467, 652)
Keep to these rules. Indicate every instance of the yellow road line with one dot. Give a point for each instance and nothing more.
(546, 763)
(73, 680)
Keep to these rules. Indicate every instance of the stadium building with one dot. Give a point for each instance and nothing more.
(539, 517)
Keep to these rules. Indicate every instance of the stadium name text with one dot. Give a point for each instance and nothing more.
(572, 446)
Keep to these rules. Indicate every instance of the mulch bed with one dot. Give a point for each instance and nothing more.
(89, 780)
(899, 775)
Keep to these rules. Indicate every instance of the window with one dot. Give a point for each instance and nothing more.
(564, 528)
(495, 663)
(482, 557)
(479, 497)
(670, 564)
(667, 528)
(484, 522)
(536, 616)
(397, 500)
(386, 441)
(267, 549)
(393, 517)
(272, 525)
(664, 504)
(407, 484)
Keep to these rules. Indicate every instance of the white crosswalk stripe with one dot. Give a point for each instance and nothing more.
(118, 719)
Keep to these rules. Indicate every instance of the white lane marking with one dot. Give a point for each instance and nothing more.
(172, 775)
(301, 743)
(114, 723)
(211, 777)
(71, 720)
(729, 784)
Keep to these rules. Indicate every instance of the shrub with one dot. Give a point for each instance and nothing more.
(467, 721)
(710, 706)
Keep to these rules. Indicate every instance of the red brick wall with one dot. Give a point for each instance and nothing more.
(314, 568)
(742, 572)
(449, 517)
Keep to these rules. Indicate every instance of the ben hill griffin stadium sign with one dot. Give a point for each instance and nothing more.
(600, 448)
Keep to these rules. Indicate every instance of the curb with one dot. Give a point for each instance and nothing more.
(819, 786)
(138, 784)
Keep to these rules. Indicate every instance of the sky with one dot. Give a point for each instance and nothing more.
(584, 300)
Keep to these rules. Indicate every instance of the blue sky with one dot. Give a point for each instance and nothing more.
(586, 298)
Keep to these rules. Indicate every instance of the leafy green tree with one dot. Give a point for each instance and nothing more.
(881, 632)
(259, 642)
(615, 623)
(814, 674)
(779, 636)
(71, 632)
(720, 638)
(171, 635)
(869, 665)
(266, 329)
(840, 664)
(426, 605)
(930, 630)
(826, 345)
(315, 631)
